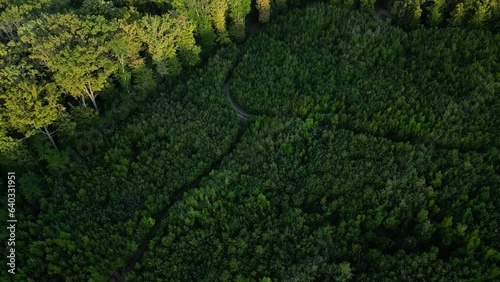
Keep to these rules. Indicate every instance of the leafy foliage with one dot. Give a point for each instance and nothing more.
(431, 86)
(104, 205)
(373, 156)
(301, 200)
(333, 189)
(170, 42)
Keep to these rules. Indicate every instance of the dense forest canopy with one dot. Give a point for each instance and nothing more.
(435, 86)
(371, 152)
(375, 157)
(302, 201)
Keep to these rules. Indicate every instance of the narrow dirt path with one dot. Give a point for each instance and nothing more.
(381, 13)
(120, 275)
(242, 115)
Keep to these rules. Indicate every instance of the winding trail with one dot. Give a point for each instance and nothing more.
(120, 275)
(242, 115)
(381, 13)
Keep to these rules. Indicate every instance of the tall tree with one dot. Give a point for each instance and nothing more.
(436, 13)
(83, 72)
(200, 13)
(170, 42)
(458, 15)
(218, 10)
(30, 108)
(483, 11)
(238, 9)
(12, 18)
(407, 13)
(75, 50)
(125, 48)
(264, 8)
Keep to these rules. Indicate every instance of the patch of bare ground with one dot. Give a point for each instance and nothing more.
(381, 13)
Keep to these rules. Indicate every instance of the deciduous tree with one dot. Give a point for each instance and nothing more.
(201, 13)
(74, 49)
(170, 42)
(407, 13)
(238, 9)
(218, 10)
(367, 5)
(264, 8)
(30, 108)
(436, 13)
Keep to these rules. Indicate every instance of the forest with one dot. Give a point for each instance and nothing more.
(238, 140)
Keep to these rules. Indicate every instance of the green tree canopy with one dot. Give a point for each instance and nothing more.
(170, 42)
(75, 50)
(30, 108)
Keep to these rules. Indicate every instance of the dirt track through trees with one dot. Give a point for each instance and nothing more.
(121, 274)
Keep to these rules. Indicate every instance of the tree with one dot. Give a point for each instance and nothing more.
(264, 8)
(483, 12)
(201, 13)
(350, 3)
(75, 50)
(344, 272)
(83, 72)
(4, 3)
(218, 10)
(367, 5)
(407, 13)
(104, 8)
(11, 19)
(458, 15)
(7, 143)
(170, 42)
(238, 9)
(125, 48)
(436, 13)
(30, 108)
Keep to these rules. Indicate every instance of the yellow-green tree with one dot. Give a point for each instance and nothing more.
(125, 48)
(483, 11)
(199, 12)
(218, 10)
(436, 13)
(29, 108)
(12, 18)
(458, 15)
(264, 8)
(170, 42)
(74, 49)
